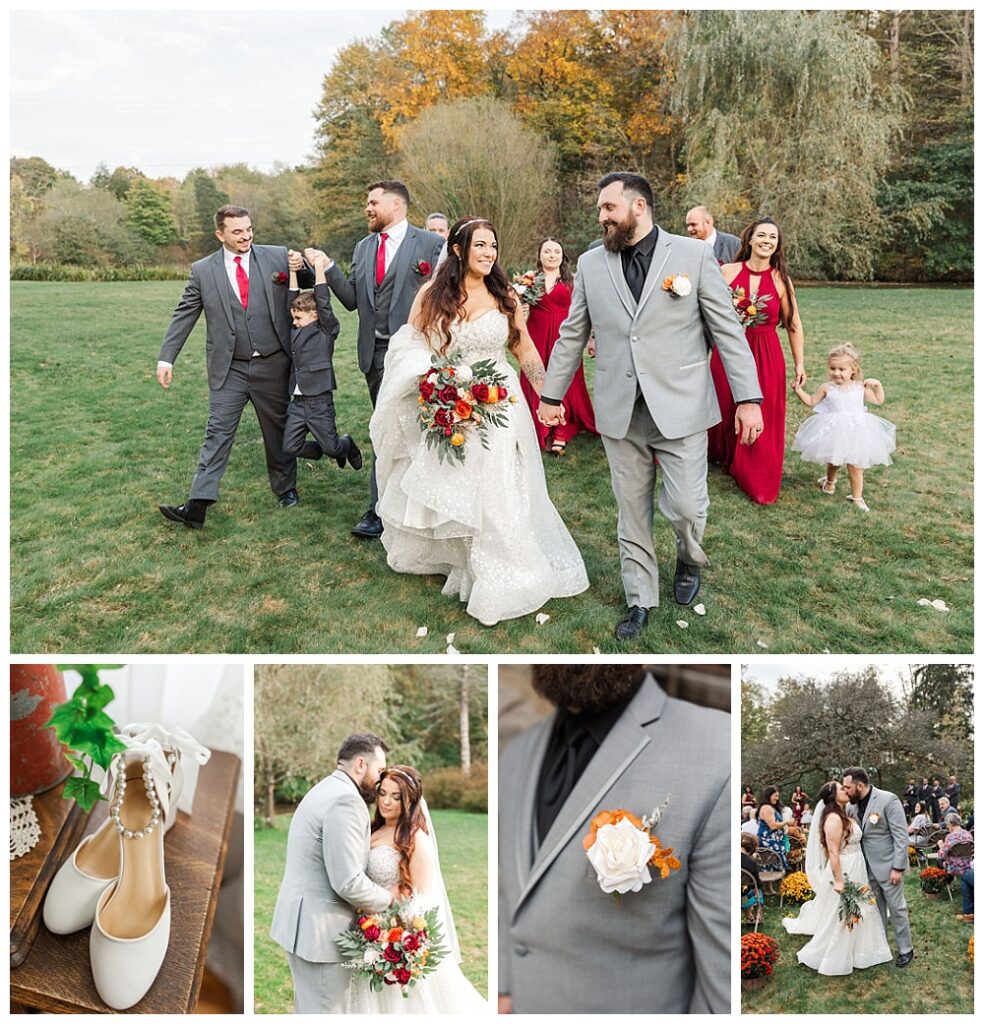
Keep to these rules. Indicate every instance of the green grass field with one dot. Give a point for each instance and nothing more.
(939, 981)
(96, 445)
(463, 842)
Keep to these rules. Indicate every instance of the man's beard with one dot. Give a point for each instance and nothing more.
(619, 236)
(585, 687)
(855, 797)
(367, 790)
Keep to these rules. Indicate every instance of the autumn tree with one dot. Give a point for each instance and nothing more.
(496, 168)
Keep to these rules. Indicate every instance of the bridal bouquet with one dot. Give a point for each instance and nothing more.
(530, 287)
(397, 947)
(458, 401)
(750, 313)
(852, 900)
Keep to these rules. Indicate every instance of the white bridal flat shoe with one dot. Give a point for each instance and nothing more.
(70, 903)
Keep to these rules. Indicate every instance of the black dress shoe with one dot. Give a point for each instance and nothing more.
(353, 456)
(631, 625)
(370, 525)
(904, 959)
(192, 514)
(686, 582)
(289, 499)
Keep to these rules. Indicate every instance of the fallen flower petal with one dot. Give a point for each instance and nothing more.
(939, 605)
(450, 638)
(541, 619)
(699, 609)
(452, 650)
(422, 631)
(759, 642)
(682, 623)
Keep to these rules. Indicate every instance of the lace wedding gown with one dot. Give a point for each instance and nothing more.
(488, 524)
(446, 990)
(833, 949)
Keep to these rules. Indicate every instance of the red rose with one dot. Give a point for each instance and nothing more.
(443, 418)
(425, 267)
(422, 936)
(448, 431)
(392, 954)
(427, 389)
(481, 392)
(411, 943)
(372, 932)
(402, 975)
(448, 395)
(503, 393)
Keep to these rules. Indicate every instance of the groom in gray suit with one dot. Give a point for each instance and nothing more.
(648, 296)
(242, 290)
(885, 845)
(388, 267)
(616, 741)
(325, 877)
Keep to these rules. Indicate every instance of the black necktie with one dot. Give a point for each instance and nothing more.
(635, 276)
(562, 775)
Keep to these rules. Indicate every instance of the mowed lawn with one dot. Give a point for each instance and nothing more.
(96, 445)
(463, 842)
(939, 981)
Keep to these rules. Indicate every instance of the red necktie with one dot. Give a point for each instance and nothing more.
(242, 279)
(381, 259)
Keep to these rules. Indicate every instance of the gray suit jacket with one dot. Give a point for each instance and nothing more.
(208, 291)
(357, 291)
(885, 842)
(657, 344)
(564, 945)
(325, 879)
(726, 247)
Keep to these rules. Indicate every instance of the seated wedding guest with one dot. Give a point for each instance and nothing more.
(920, 820)
(787, 814)
(961, 867)
(751, 826)
(945, 809)
(312, 377)
(771, 827)
(750, 900)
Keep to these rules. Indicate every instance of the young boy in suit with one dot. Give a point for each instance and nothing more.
(312, 378)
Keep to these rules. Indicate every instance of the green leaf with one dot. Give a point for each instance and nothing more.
(100, 697)
(65, 719)
(85, 792)
(78, 763)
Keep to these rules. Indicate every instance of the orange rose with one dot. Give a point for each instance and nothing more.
(463, 409)
(367, 923)
(493, 394)
(457, 440)
(751, 311)
(395, 935)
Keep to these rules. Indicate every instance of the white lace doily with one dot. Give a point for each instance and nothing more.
(24, 828)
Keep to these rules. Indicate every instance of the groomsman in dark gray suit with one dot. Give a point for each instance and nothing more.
(242, 290)
(388, 266)
(700, 224)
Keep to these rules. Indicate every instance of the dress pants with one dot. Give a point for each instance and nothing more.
(892, 897)
(314, 413)
(682, 499)
(318, 988)
(262, 381)
(374, 381)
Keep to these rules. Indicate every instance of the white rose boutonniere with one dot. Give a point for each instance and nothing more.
(621, 848)
(874, 818)
(678, 284)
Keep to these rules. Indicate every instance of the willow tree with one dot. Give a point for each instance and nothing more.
(783, 117)
(474, 157)
(303, 712)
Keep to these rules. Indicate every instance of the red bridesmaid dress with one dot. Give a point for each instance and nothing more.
(543, 321)
(756, 468)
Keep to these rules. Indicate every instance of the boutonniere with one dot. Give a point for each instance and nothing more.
(622, 849)
(279, 277)
(422, 267)
(677, 284)
(874, 818)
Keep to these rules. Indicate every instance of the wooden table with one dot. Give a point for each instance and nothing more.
(56, 977)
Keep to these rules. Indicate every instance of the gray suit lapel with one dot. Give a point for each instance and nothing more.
(371, 243)
(221, 281)
(613, 261)
(526, 832)
(266, 272)
(401, 261)
(622, 746)
(660, 255)
(874, 807)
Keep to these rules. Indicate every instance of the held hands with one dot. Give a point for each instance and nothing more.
(295, 261)
(748, 423)
(591, 347)
(551, 415)
(800, 379)
(314, 256)
(164, 376)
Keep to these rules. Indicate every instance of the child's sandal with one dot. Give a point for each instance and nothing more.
(558, 447)
(827, 486)
(859, 502)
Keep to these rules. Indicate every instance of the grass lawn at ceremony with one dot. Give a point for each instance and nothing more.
(96, 445)
(463, 846)
(940, 944)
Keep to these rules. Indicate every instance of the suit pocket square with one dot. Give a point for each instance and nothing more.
(690, 366)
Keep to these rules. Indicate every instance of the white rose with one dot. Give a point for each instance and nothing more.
(681, 285)
(463, 373)
(371, 955)
(620, 857)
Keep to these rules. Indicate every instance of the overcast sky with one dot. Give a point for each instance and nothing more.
(769, 673)
(168, 91)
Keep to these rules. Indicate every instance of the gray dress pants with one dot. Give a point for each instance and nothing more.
(318, 988)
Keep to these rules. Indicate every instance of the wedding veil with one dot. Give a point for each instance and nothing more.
(816, 858)
(444, 904)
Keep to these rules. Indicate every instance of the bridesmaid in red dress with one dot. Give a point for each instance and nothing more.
(543, 320)
(768, 301)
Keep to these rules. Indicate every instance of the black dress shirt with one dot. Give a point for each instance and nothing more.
(575, 740)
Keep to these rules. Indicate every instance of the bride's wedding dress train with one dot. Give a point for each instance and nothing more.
(834, 949)
(446, 990)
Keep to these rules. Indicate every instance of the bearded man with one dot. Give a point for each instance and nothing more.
(596, 916)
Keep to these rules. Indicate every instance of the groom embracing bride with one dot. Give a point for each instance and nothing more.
(856, 858)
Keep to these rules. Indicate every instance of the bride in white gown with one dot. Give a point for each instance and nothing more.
(487, 524)
(403, 852)
(833, 855)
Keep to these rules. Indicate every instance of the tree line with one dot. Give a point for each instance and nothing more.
(854, 129)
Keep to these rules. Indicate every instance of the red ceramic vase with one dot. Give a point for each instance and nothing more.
(36, 759)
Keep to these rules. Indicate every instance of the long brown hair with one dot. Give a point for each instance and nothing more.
(828, 797)
(777, 261)
(411, 816)
(443, 303)
(564, 271)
